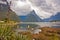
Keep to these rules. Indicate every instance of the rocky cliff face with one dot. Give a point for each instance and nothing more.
(4, 10)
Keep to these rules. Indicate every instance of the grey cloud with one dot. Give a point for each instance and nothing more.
(43, 8)
(21, 10)
(37, 2)
(2, 2)
(46, 6)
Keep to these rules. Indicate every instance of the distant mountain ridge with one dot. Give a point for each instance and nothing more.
(53, 18)
(31, 17)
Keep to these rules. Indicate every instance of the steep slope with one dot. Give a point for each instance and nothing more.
(4, 11)
(31, 17)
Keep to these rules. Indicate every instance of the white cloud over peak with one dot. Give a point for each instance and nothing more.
(43, 8)
(20, 7)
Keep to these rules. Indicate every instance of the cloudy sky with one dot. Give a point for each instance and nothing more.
(43, 8)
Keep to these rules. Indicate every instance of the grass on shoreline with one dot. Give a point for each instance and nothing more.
(7, 33)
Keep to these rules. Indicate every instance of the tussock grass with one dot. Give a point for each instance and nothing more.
(7, 33)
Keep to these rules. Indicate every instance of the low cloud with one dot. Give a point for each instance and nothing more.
(3, 2)
(43, 8)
